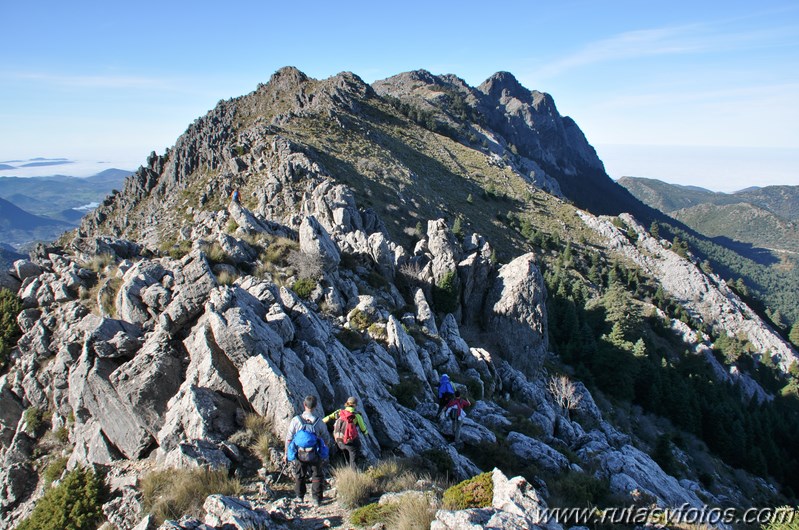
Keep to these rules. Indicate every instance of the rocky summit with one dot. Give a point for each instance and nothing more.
(380, 236)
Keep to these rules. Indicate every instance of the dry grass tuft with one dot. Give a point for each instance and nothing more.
(173, 493)
(354, 487)
(415, 513)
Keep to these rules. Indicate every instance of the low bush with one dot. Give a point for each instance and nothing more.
(175, 249)
(54, 470)
(378, 331)
(407, 391)
(784, 518)
(372, 514)
(487, 455)
(10, 306)
(579, 489)
(304, 287)
(359, 320)
(173, 493)
(351, 339)
(439, 462)
(61, 435)
(446, 293)
(476, 492)
(34, 420)
(75, 504)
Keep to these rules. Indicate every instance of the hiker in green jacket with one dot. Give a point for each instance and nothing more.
(345, 431)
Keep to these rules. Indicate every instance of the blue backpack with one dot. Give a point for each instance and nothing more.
(306, 446)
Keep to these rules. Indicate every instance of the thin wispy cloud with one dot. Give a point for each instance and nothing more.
(674, 40)
(93, 81)
(773, 93)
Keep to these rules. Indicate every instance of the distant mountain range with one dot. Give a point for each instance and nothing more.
(762, 217)
(42, 208)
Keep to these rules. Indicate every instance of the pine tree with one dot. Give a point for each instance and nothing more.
(639, 349)
(794, 335)
(654, 230)
(457, 227)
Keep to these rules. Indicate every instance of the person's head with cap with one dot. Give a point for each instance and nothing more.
(444, 377)
(352, 401)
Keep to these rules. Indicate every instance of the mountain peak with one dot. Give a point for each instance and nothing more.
(504, 82)
(288, 73)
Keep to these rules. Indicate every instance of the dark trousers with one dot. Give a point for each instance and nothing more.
(302, 472)
(350, 451)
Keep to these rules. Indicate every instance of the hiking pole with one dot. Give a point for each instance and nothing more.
(282, 470)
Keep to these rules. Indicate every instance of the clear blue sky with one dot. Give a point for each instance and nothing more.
(703, 93)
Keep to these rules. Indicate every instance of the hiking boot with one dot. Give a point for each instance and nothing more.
(317, 502)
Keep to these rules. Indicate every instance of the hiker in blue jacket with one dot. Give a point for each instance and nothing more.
(445, 393)
(307, 449)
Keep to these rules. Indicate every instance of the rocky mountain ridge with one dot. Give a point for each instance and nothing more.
(173, 312)
(763, 217)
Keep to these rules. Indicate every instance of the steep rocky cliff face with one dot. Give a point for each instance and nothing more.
(173, 312)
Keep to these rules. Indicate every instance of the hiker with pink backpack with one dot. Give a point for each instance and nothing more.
(345, 431)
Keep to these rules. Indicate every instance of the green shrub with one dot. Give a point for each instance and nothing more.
(783, 518)
(61, 435)
(579, 489)
(378, 331)
(173, 493)
(75, 504)
(54, 470)
(372, 514)
(523, 425)
(304, 287)
(10, 306)
(351, 339)
(232, 226)
(175, 249)
(439, 462)
(446, 293)
(34, 420)
(359, 320)
(475, 388)
(377, 280)
(407, 391)
(476, 492)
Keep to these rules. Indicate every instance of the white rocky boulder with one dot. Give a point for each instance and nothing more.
(516, 313)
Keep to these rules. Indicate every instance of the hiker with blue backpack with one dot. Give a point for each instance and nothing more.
(307, 450)
(345, 431)
(445, 393)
